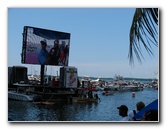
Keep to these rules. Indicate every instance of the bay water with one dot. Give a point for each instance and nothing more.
(103, 111)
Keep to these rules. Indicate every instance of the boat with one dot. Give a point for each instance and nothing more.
(85, 82)
(85, 95)
(22, 97)
(22, 92)
(119, 80)
(119, 84)
(108, 93)
(18, 86)
(98, 82)
(129, 88)
(84, 100)
(155, 83)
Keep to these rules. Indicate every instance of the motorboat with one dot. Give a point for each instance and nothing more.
(19, 96)
(22, 92)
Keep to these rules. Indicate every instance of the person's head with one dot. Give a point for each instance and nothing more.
(150, 115)
(63, 43)
(56, 43)
(140, 105)
(43, 44)
(123, 109)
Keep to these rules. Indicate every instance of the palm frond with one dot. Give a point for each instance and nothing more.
(143, 31)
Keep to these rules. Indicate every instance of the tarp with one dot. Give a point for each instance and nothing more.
(151, 106)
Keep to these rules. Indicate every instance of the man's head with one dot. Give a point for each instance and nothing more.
(56, 43)
(123, 109)
(43, 43)
(140, 105)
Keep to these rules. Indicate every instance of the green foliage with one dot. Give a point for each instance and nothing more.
(143, 31)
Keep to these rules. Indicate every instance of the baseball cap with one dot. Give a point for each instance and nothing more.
(43, 42)
(123, 107)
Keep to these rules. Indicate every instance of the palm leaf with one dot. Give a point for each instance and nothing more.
(143, 31)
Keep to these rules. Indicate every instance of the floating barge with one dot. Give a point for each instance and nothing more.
(63, 90)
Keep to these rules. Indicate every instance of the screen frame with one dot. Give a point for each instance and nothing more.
(51, 34)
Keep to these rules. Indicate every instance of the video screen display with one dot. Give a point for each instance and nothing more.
(45, 47)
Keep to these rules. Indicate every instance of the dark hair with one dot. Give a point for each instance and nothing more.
(140, 105)
(56, 41)
(151, 115)
(43, 42)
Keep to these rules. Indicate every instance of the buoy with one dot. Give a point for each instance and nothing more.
(133, 94)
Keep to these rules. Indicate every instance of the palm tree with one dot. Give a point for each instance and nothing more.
(143, 31)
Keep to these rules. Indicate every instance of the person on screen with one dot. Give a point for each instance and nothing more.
(64, 50)
(54, 54)
(43, 53)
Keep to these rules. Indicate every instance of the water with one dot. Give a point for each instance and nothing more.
(104, 111)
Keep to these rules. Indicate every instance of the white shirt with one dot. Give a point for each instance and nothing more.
(131, 115)
(126, 118)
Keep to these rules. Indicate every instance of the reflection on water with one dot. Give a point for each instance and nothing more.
(105, 110)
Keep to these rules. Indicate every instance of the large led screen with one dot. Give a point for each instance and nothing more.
(45, 47)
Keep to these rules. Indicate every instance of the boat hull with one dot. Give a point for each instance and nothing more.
(21, 97)
(83, 100)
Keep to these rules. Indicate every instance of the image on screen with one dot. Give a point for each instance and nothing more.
(45, 47)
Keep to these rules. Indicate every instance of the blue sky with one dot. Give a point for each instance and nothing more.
(99, 43)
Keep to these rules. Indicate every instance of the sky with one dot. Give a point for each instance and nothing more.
(99, 43)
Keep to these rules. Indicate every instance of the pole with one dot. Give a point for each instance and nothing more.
(42, 75)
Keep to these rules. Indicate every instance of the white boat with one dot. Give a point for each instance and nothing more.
(119, 80)
(129, 88)
(22, 92)
(119, 84)
(19, 96)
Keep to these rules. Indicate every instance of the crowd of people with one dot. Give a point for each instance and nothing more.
(56, 56)
(149, 115)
